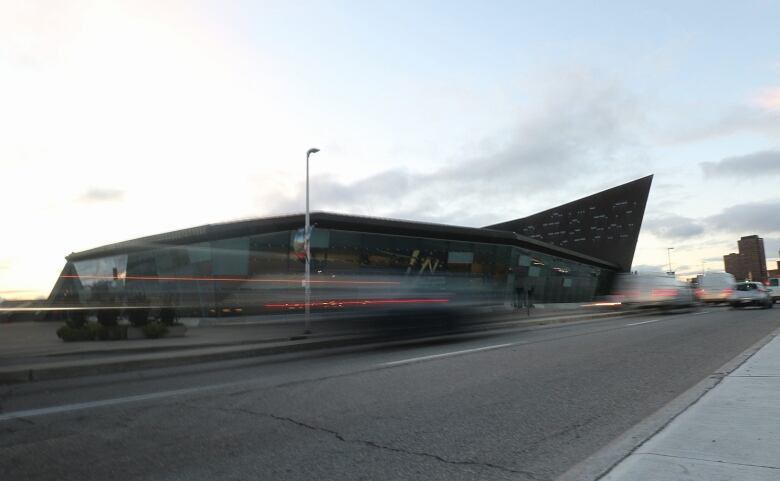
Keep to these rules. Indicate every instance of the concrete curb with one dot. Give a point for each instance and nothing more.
(178, 357)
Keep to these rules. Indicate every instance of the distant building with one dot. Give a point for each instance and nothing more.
(750, 262)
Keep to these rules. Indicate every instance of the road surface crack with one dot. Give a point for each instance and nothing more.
(375, 445)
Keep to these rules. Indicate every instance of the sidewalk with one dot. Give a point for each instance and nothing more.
(32, 351)
(28, 342)
(731, 433)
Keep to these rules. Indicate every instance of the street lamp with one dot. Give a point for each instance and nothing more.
(669, 255)
(306, 244)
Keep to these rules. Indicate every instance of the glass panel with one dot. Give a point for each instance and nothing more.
(196, 295)
(344, 252)
(141, 280)
(102, 280)
(230, 257)
(484, 258)
(389, 254)
(259, 270)
(269, 254)
(459, 257)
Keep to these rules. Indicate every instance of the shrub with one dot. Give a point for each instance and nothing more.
(95, 331)
(90, 332)
(71, 334)
(168, 316)
(138, 317)
(153, 330)
(108, 317)
(76, 318)
(109, 333)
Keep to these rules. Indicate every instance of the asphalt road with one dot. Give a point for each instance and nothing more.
(515, 404)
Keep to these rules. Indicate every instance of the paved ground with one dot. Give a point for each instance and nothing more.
(526, 404)
(29, 343)
(731, 433)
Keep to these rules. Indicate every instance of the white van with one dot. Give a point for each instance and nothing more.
(715, 287)
(652, 290)
(774, 284)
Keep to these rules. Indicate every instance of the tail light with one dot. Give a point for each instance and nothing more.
(728, 292)
(664, 292)
(699, 293)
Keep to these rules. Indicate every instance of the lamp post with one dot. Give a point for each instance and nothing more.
(306, 245)
(669, 255)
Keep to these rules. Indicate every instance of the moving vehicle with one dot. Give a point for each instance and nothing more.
(774, 284)
(653, 290)
(715, 287)
(751, 294)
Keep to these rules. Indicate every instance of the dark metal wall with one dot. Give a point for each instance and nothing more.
(604, 225)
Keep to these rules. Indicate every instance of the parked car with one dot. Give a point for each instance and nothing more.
(751, 294)
(774, 284)
(653, 290)
(715, 287)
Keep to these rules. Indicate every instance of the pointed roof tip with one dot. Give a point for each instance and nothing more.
(617, 248)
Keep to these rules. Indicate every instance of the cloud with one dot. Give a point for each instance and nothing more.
(649, 268)
(584, 130)
(760, 114)
(737, 120)
(771, 247)
(102, 195)
(684, 269)
(674, 227)
(768, 99)
(747, 219)
(741, 219)
(766, 162)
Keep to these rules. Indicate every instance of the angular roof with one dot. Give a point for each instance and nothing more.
(604, 225)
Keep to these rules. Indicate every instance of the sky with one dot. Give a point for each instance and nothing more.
(120, 119)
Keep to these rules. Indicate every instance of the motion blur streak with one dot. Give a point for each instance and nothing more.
(225, 279)
(36, 309)
(360, 302)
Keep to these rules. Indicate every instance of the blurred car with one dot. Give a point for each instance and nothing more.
(653, 290)
(715, 287)
(774, 284)
(751, 294)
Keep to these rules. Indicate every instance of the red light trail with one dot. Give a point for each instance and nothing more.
(359, 302)
(230, 279)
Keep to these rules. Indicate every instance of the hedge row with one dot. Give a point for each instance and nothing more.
(100, 332)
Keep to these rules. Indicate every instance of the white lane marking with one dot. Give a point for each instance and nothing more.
(700, 312)
(643, 322)
(29, 413)
(447, 354)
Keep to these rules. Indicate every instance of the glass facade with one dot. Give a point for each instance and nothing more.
(263, 273)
